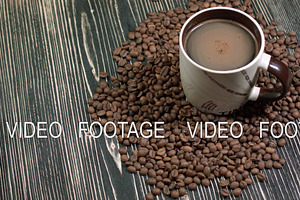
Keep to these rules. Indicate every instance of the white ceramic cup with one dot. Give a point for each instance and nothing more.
(222, 92)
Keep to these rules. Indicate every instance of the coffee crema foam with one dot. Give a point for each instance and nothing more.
(220, 44)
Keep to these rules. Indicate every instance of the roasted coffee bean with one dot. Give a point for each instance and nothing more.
(91, 110)
(281, 142)
(124, 158)
(188, 180)
(248, 181)
(166, 190)
(182, 191)
(282, 161)
(243, 184)
(261, 176)
(223, 171)
(131, 169)
(143, 152)
(160, 185)
(144, 171)
(156, 191)
(175, 194)
(224, 193)
(234, 185)
(224, 183)
(192, 186)
(261, 164)
(269, 164)
(205, 182)
(149, 196)
(248, 164)
(275, 156)
(237, 192)
(123, 150)
(277, 165)
(151, 181)
(239, 177)
(254, 171)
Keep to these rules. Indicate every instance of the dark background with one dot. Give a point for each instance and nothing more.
(51, 53)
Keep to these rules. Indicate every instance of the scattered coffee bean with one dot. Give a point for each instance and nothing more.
(282, 161)
(151, 181)
(131, 169)
(123, 150)
(277, 165)
(281, 142)
(149, 196)
(234, 185)
(224, 193)
(156, 191)
(205, 182)
(182, 191)
(237, 192)
(192, 186)
(175, 194)
(243, 184)
(261, 176)
(224, 183)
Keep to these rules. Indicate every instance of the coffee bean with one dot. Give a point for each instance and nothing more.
(156, 191)
(123, 150)
(151, 181)
(223, 171)
(182, 191)
(248, 181)
(277, 165)
(237, 192)
(282, 161)
(254, 171)
(131, 35)
(205, 182)
(143, 171)
(234, 185)
(188, 180)
(248, 164)
(192, 186)
(131, 169)
(175, 194)
(269, 164)
(91, 110)
(151, 172)
(166, 190)
(224, 193)
(270, 150)
(160, 185)
(261, 164)
(275, 156)
(224, 183)
(143, 151)
(187, 149)
(243, 184)
(239, 177)
(261, 176)
(149, 196)
(124, 158)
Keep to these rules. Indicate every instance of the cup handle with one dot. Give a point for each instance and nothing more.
(281, 71)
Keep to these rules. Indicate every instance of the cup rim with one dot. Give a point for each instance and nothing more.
(253, 61)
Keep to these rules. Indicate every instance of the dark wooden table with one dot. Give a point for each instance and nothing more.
(51, 53)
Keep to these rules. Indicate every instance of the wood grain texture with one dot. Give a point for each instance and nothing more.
(51, 53)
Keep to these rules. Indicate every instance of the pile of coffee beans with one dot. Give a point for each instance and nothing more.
(148, 88)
